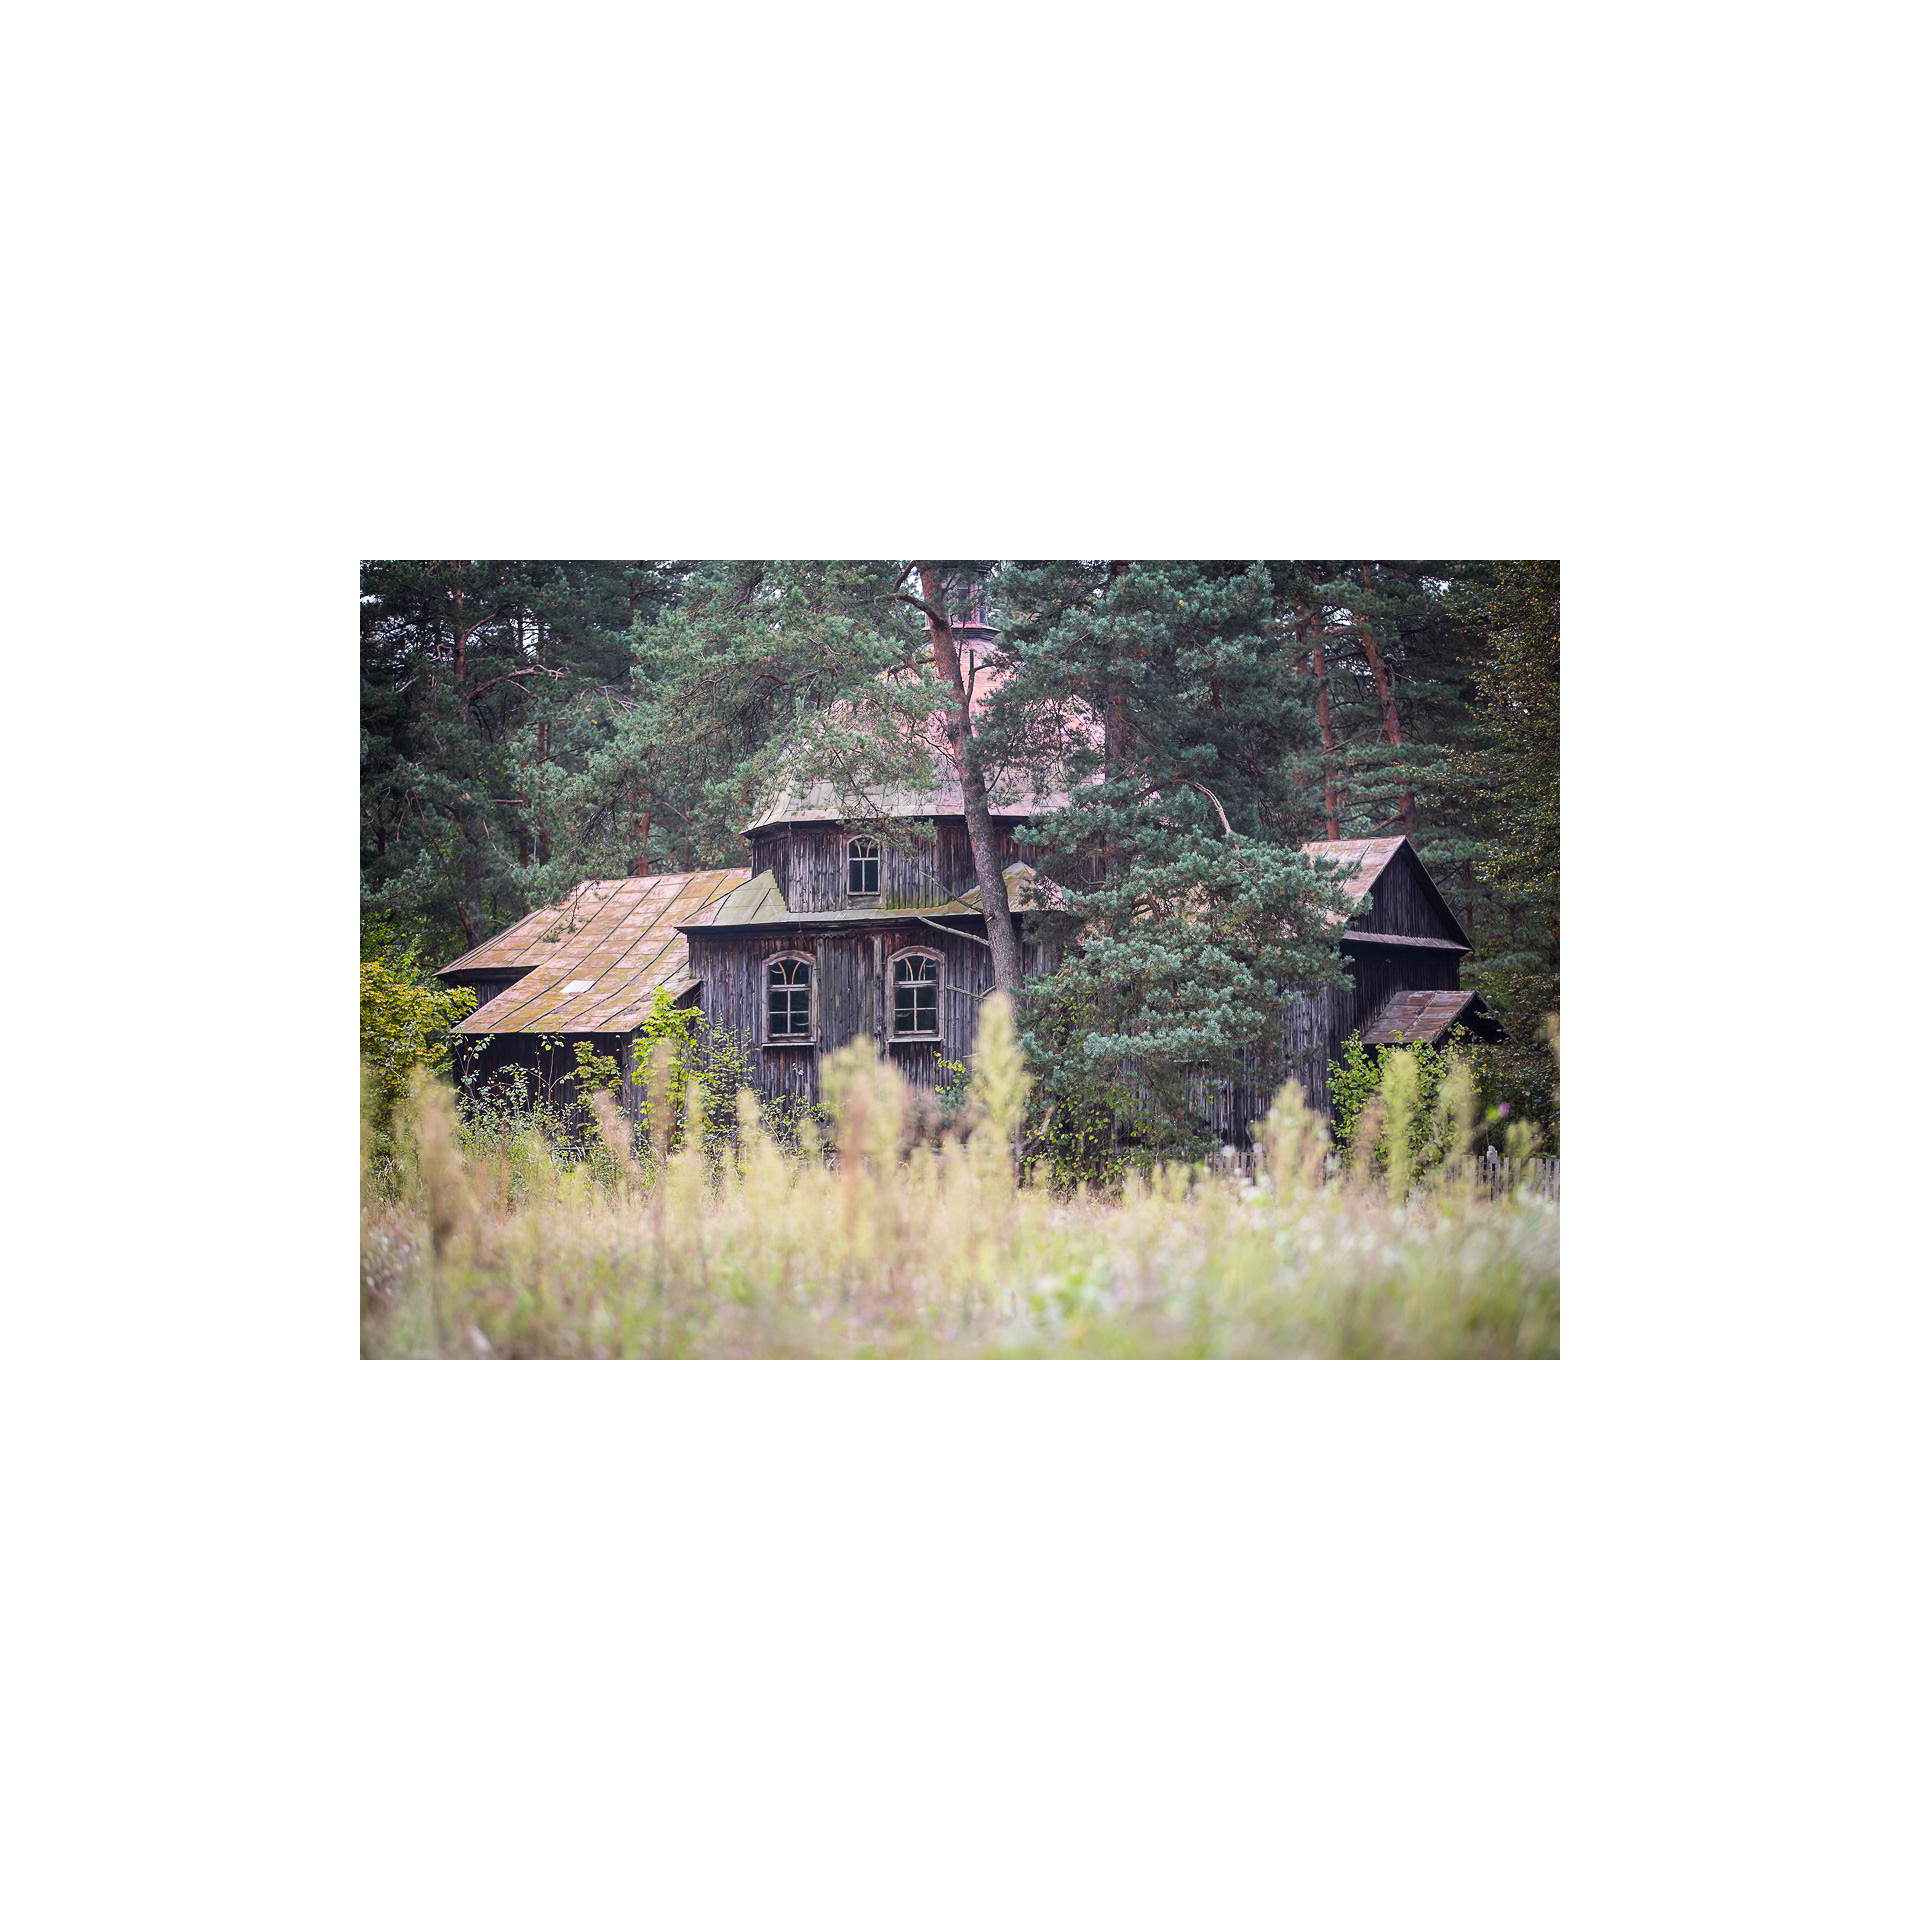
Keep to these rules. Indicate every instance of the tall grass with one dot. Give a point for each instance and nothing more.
(495, 1242)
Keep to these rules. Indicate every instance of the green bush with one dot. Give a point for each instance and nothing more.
(680, 1053)
(950, 1096)
(1409, 1111)
(405, 1019)
(593, 1071)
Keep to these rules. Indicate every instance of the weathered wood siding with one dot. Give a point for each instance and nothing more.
(852, 970)
(485, 982)
(1231, 1105)
(809, 866)
(1380, 972)
(1404, 902)
(1317, 1025)
(547, 1059)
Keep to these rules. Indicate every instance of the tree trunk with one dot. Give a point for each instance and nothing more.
(470, 874)
(1113, 719)
(542, 849)
(469, 905)
(1389, 710)
(463, 631)
(1001, 938)
(1317, 657)
(1113, 727)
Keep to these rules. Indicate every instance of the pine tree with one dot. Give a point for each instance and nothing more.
(1387, 657)
(762, 674)
(469, 671)
(1187, 921)
(1512, 772)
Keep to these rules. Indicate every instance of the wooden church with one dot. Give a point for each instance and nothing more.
(828, 932)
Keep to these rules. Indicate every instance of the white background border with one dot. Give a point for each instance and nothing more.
(300, 1634)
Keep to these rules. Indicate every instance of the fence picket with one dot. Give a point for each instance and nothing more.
(1491, 1169)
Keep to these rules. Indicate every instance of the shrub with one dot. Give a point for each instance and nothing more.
(682, 1055)
(950, 1096)
(1408, 1100)
(593, 1071)
(405, 1019)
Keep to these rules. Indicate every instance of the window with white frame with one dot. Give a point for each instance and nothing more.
(863, 868)
(914, 1003)
(789, 1000)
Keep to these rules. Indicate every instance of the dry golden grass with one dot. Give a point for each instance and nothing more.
(511, 1251)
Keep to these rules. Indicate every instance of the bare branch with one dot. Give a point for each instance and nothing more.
(1187, 780)
(959, 932)
(518, 673)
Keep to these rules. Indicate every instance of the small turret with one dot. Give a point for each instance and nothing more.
(965, 584)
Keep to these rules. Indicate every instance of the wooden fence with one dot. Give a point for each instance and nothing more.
(1495, 1174)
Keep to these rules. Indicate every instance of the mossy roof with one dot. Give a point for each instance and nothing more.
(593, 963)
(760, 903)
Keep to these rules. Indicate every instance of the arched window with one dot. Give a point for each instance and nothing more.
(863, 868)
(914, 1004)
(789, 1000)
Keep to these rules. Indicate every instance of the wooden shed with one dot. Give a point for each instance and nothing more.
(1401, 946)
(586, 970)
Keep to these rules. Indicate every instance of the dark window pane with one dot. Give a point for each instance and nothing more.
(789, 992)
(915, 997)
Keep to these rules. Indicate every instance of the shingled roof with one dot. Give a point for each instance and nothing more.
(1007, 797)
(1365, 861)
(1426, 1016)
(593, 963)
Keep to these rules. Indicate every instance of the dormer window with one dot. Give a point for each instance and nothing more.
(789, 1000)
(914, 1004)
(863, 869)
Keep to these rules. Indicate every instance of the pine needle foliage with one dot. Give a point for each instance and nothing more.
(1187, 923)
